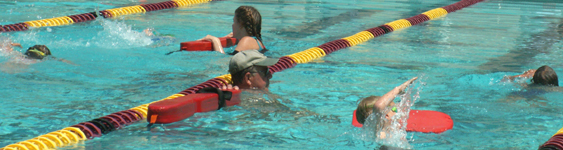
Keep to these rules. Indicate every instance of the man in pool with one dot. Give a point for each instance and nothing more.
(381, 105)
(249, 70)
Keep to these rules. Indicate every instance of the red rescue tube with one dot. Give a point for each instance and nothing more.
(423, 121)
(204, 45)
(180, 108)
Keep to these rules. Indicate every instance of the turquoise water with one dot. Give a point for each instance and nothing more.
(460, 58)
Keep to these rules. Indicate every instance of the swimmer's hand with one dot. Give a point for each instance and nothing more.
(216, 43)
(406, 84)
(17, 45)
(229, 35)
(527, 74)
(148, 32)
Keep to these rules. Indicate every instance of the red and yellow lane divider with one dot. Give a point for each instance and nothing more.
(555, 142)
(64, 137)
(66, 20)
(103, 125)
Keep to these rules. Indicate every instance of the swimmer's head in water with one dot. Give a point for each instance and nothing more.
(38, 52)
(365, 108)
(545, 75)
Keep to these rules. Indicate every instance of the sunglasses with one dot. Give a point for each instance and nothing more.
(264, 72)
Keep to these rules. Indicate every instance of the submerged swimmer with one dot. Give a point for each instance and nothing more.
(543, 76)
(32, 55)
(159, 39)
(41, 52)
(543, 80)
(382, 106)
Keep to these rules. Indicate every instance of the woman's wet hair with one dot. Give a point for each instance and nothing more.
(38, 52)
(365, 108)
(545, 75)
(250, 19)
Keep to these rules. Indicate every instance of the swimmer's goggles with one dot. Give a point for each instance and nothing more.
(394, 109)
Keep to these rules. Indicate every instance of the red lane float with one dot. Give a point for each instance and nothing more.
(204, 45)
(180, 108)
(423, 121)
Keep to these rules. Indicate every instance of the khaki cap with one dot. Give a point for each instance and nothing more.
(248, 58)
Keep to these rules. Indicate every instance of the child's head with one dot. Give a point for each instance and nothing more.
(38, 52)
(365, 108)
(249, 18)
(545, 75)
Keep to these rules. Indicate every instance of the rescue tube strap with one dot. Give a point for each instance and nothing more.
(222, 95)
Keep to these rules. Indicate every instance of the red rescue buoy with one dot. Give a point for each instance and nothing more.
(204, 45)
(423, 121)
(180, 108)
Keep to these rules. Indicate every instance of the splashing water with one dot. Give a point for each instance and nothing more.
(118, 35)
(393, 132)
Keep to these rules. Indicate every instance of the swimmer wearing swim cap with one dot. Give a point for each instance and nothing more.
(381, 105)
(37, 52)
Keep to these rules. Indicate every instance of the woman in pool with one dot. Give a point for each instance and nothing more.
(247, 25)
(381, 106)
(544, 75)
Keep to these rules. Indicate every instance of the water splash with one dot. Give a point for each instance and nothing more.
(394, 134)
(118, 35)
(4, 45)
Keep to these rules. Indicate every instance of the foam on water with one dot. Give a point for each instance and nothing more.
(118, 34)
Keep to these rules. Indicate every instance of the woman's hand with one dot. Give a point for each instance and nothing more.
(148, 32)
(229, 35)
(216, 43)
(527, 74)
(16, 45)
(209, 38)
(406, 84)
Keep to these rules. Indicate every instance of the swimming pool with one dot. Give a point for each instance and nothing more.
(461, 57)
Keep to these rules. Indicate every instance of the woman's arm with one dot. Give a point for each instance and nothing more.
(216, 43)
(527, 74)
(389, 96)
(16, 44)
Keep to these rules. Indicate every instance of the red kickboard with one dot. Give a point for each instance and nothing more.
(423, 121)
(204, 45)
(180, 108)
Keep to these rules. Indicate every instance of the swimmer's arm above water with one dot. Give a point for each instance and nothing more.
(527, 74)
(16, 45)
(216, 43)
(386, 99)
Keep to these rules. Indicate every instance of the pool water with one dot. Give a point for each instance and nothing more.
(460, 59)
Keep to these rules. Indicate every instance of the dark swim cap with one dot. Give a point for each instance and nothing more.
(38, 52)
